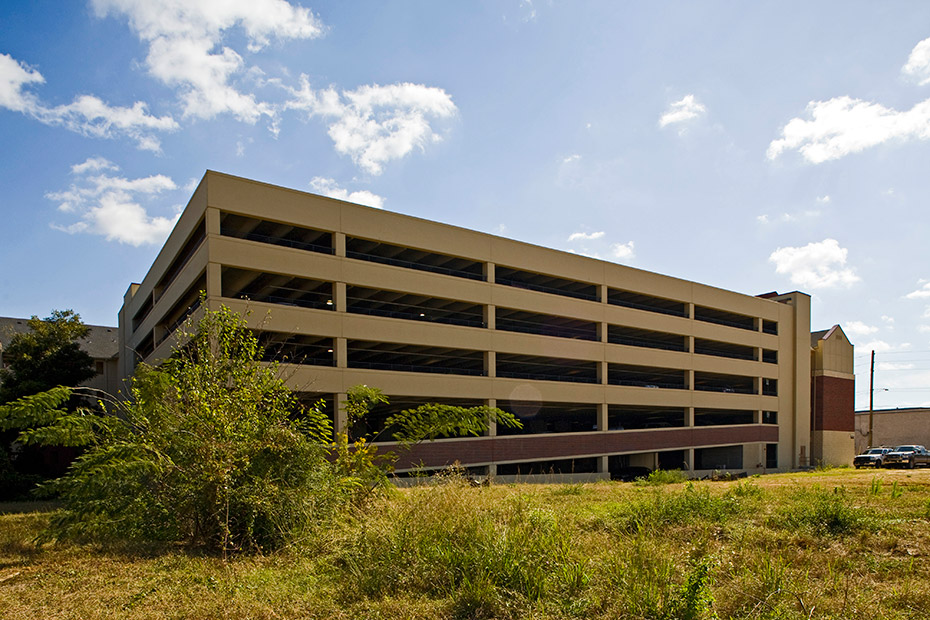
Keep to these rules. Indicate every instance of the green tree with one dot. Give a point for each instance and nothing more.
(48, 355)
(211, 449)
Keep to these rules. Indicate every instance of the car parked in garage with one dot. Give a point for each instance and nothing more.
(909, 456)
(873, 457)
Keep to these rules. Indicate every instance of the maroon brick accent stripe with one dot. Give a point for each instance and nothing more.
(546, 447)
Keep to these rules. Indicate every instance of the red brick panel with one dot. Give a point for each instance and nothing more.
(834, 404)
(550, 447)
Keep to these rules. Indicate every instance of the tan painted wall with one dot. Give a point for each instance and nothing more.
(834, 448)
(894, 427)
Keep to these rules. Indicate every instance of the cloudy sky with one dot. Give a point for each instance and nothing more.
(751, 146)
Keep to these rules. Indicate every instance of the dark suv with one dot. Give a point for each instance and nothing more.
(909, 456)
(873, 457)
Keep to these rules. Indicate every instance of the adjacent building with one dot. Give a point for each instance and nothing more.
(608, 367)
(893, 427)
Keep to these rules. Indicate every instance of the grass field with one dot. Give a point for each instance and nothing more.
(833, 544)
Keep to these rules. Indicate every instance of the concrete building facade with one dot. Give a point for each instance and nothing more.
(609, 367)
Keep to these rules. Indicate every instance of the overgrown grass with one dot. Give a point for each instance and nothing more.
(831, 544)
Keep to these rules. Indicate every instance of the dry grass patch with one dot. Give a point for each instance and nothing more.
(833, 544)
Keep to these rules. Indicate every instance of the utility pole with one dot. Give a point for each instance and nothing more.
(871, 396)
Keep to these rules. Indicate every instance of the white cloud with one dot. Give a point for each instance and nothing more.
(816, 265)
(762, 219)
(13, 77)
(580, 236)
(93, 164)
(328, 187)
(888, 321)
(186, 51)
(108, 205)
(918, 63)
(858, 328)
(823, 199)
(623, 251)
(843, 125)
(880, 346)
(376, 124)
(681, 111)
(571, 158)
(895, 366)
(87, 114)
(921, 293)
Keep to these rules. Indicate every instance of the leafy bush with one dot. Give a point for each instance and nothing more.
(212, 449)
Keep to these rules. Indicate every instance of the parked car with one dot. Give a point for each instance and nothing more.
(873, 457)
(909, 456)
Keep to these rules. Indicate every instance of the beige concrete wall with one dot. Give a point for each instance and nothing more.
(834, 448)
(893, 427)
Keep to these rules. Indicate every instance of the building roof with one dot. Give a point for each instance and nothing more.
(101, 342)
(825, 334)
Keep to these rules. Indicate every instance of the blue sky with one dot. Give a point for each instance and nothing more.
(751, 146)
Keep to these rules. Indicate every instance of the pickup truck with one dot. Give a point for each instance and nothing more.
(873, 457)
(909, 456)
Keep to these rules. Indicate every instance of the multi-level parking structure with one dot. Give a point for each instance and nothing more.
(607, 366)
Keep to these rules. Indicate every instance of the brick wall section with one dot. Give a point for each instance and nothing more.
(550, 447)
(834, 404)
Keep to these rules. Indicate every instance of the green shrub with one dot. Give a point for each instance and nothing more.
(662, 476)
(212, 449)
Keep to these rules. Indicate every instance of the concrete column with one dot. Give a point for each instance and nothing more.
(339, 243)
(602, 417)
(690, 310)
(340, 297)
(689, 416)
(490, 364)
(489, 272)
(757, 417)
(689, 380)
(492, 426)
(339, 412)
(490, 316)
(602, 464)
(341, 353)
(758, 354)
(689, 458)
(690, 344)
(602, 332)
(214, 280)
(602, 293)
(212, 221)
(602, 373)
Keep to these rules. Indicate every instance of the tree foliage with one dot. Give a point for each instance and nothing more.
(211, 448)
(48, 355)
